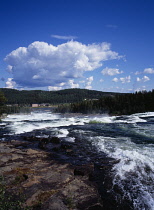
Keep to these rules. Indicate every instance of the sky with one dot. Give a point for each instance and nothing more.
(105, 45)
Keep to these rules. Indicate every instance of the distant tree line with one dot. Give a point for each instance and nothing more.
(24, 97)
(9, 109)
(80, 100)
(2, 103)
(115, 104)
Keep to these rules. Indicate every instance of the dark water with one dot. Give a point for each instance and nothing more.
(124, 144)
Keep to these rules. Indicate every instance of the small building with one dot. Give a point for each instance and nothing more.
(35, 105)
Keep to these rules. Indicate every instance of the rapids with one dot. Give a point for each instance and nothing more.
(127, 139)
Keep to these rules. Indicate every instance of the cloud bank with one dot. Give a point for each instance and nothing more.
(42, 64)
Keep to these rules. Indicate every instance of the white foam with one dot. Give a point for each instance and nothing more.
(22, 123)
(102, 119)
(33, 116)
(62, 132)
(135, 167)
(42, 136)
(70, 139)
(2, 124)
(146, 114)
(130, 119)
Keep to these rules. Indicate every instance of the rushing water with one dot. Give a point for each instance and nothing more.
(128, 139)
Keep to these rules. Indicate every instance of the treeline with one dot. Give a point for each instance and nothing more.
(117, 104)
(24, 97)
(2, 103)
(4, 109)
(80, 100)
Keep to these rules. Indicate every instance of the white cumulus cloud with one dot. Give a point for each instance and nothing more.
(111, 71)
(138, 79)
(144, 79)
(149, 70)
(54, 88)
(115, 79)
(88, 82)
(63, 85)
(72, 84)
(42, 64)
(125, 79)
(10, 83)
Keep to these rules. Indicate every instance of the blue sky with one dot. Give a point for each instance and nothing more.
(102, 45)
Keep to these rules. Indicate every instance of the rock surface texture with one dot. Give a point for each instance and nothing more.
(46, 183)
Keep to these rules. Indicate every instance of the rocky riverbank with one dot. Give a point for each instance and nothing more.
(44, 182)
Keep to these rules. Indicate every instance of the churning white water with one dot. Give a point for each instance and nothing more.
(22, 123)
(129, 139)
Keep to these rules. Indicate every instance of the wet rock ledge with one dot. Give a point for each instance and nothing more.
(43, 182)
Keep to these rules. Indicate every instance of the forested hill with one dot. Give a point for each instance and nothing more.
(53, 97)
(120, 104)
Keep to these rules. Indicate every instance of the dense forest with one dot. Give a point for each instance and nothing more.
(25, 97)
(116, 104)
(3, 100)
(4, 109)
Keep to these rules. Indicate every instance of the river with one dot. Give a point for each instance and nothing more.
(129, 140)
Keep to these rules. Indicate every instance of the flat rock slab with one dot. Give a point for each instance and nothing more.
(44, 182)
